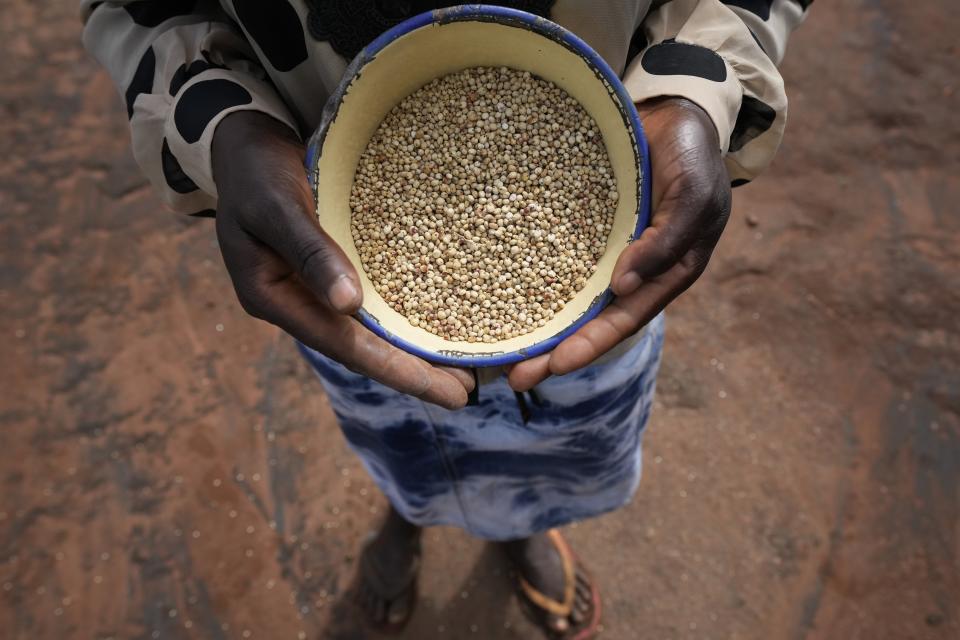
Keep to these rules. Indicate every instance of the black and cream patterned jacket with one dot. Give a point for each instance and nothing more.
(182, 65)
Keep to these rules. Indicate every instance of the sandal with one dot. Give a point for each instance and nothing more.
(539, 606)
(371, 584)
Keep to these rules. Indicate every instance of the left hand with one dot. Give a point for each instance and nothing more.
(287, 271)
(691, 204)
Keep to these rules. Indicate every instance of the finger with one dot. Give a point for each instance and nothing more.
(525, 375)
(465, 377)
(376, 359)
(673, 230)
(621, 319)
(347, 341)
(688, 197)
(270, 291)
(292, 230)
(320, 263)
(326, 270)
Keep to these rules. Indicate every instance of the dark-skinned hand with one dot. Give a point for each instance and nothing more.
(287, 271)
(691, 204)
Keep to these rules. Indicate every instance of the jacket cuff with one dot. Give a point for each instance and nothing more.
(691, 71)
(200, 105)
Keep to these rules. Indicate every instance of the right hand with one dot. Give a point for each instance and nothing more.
(288, 271)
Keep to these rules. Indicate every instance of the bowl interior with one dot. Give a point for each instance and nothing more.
(437, 49)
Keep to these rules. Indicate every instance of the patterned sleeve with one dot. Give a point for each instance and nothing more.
(180, 68)
(722, 55)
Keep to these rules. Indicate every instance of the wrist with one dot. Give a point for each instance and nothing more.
(249, 134)
(663, 108)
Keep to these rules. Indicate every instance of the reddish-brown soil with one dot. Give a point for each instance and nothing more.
(170, 469)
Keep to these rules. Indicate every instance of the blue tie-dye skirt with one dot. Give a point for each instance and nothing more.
(509, 466)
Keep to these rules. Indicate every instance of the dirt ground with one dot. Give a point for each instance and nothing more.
(169, 468)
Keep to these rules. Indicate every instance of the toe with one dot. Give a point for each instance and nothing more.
(399, 609)
(558, 624)
(583, 588)
(578, 615)
(362, 598)
(370, 604)
(380, 609)
(581, 606)
(583, 601)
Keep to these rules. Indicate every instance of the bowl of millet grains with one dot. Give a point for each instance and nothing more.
(482, 168)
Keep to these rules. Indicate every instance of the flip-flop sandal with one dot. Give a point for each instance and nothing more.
(538, 606)
(368, 574)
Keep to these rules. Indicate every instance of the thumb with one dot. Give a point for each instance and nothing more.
(293, 231)
(326, 270)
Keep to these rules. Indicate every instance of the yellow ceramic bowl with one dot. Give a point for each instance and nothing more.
(445, 41)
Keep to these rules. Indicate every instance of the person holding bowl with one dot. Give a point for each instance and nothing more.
(220, 96)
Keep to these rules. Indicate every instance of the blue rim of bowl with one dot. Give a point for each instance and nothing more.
(560, 35)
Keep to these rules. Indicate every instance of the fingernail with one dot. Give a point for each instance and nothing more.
(343, 294)
(628, 283)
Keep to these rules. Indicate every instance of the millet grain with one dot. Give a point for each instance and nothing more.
(482, 204)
